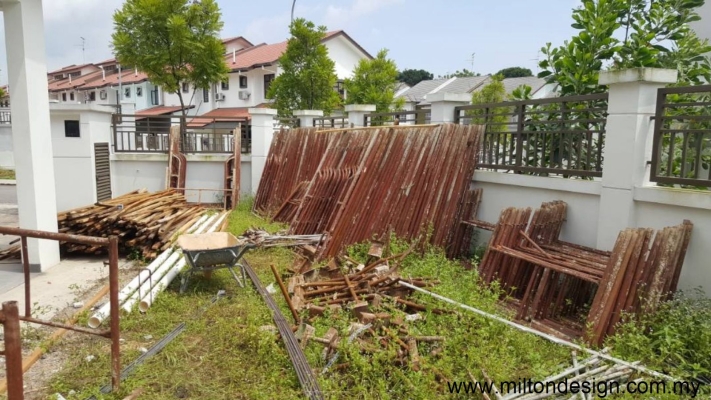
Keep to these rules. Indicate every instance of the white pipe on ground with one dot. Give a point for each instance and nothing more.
(165, 281)
(135, 289)
(147, 284)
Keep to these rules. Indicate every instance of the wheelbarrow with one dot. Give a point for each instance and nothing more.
(211, 251)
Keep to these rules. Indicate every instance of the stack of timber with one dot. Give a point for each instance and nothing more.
(369, 181)
(552, 282)
(143, 221)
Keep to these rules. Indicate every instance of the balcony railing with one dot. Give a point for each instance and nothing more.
(5, 118)
(151, 134)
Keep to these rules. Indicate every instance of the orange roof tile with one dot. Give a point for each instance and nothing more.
(160, 110)
(221, 115)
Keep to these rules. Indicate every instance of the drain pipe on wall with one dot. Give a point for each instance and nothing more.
(543, 335)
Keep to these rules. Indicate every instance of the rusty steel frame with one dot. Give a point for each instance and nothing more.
(10, 316)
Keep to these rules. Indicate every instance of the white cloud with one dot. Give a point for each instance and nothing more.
(338, 17)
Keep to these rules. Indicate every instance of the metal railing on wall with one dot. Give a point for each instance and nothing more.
(681, 150)
(286, 123)
(5, 117)
(151, 134)
(560, 136)
(330, 122)
(417, 117)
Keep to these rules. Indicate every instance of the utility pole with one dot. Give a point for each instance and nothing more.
(293, 4)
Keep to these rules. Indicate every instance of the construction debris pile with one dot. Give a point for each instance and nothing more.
(353, 184)
(261, 238)
(143, 221)
(553, 282)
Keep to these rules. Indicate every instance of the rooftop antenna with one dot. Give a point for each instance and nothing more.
(83, 50)
(472, 61)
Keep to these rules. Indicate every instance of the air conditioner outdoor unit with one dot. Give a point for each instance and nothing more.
(219, 97)
(244, 95)
(102, 95)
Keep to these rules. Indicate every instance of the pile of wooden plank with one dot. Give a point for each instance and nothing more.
(144, 222)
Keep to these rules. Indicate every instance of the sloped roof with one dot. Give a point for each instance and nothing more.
(69, 68)
(417, 93)
(268, 54)
(161, 110)
(220, 114)
(464, 85)
(73, 83)
(534, 82)
(236, 38)
(127, 77)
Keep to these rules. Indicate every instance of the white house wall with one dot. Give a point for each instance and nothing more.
(201, 107)
(7, 155)
(345, 55)
(73, 164)
(255, 87)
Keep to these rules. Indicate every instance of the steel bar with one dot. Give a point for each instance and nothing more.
(114, 313)
(88, 240)
(9, 317)
(105, 333)
(284, 292)
(26, 271)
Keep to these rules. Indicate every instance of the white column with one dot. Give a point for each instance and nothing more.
(631, 104)
(306, 117)
(262, 134)
(357, 112)
(27, 71)
(443, 106)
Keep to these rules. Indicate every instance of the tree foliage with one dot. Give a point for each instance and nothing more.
(3, 93)
(655, 34)
(465, 73)
(515, 72)
(171, 41)
(414, 76)
(308, 75)
(495, 118)
(374, 82)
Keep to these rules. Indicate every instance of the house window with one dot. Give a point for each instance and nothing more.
(226, 85)
(268, 78)
(103, 95)
(243, 82)
(71, 96)
(64, 97)
(71, 128)
(127, 92)
(139, 92)
(92, 96)
(154, 96)
(59, 77)
(206, 95)
(186, 87)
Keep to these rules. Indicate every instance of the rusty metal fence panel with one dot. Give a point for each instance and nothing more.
(417, 117)
(559, 136)
(331, 122)
(681, 152)
(151, 134)
(5, 117)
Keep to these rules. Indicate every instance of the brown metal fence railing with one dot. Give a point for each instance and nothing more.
(681, 150)
(559, 136)
(417, 117)
(10, 317)
(151, 134)
(330, 122)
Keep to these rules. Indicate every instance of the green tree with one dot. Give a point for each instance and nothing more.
(496, 117)
(515, 72)
(174, 42)
(308, 75)
(414, 76)
(465, 73)
(374, 82)
(3, 93)
(656, 34)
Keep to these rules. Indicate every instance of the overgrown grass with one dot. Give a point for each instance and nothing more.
(7, 173)
(225, 353)
(676, 339)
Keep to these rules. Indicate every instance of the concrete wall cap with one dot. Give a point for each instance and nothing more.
(360, 108)
(262, 111)
(75, 108)
(308, 113)
(453, 97)
(651, 75)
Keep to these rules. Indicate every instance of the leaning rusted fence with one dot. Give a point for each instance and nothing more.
(681, 153)
(560, 136)
(9, 316)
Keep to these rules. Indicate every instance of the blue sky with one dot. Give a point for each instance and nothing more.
(439, 36)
